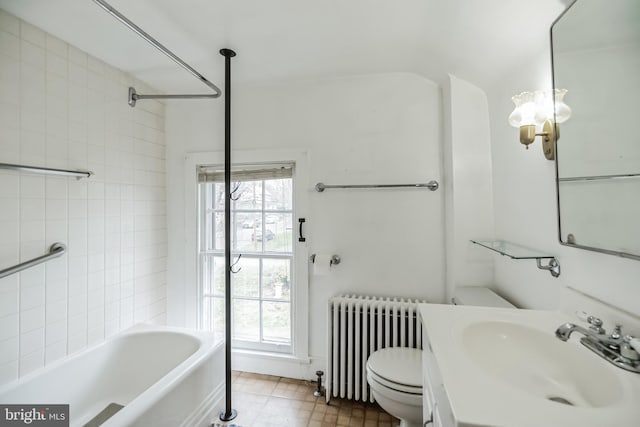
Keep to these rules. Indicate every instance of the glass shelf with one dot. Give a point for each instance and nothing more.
(512, 250)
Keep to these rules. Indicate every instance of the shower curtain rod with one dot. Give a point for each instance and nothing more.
(133, 95)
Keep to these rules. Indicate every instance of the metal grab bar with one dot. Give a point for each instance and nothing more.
(49, 171)
(56, 250)
(431, 185)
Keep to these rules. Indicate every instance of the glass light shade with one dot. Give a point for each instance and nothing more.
(550, 102)
(563, 112)
(525, 111)
(544, 106)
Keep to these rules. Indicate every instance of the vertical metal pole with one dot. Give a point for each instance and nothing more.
(228, 414)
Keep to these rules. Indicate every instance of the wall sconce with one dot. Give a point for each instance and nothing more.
(537, 108)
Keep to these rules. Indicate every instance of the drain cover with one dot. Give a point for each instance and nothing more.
(560, 400)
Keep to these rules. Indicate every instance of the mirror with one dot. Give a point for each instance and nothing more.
(596, 57)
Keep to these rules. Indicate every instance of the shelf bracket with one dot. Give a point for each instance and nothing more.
(552, 267)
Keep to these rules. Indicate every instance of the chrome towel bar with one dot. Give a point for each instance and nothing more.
(56, 250)
(48, 171)
(431, 185)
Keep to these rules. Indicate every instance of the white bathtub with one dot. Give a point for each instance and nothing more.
(163, 376)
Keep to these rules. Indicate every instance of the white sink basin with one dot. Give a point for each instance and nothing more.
(505, 368)
(541, 365)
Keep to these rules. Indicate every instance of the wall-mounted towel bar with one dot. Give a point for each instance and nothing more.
(431, 185)
(48, 171)
(56, 250)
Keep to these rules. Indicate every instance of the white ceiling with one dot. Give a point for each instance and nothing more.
(301, 39)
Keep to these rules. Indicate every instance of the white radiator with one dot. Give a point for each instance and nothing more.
(358, 326)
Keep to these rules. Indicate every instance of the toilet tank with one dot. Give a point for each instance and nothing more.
(480, 296)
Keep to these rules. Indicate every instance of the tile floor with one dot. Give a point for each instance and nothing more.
(263, 400)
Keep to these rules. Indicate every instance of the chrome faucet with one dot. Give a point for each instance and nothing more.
(613, 348)
(564, 331)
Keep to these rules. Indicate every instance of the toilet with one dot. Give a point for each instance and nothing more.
(395, 373)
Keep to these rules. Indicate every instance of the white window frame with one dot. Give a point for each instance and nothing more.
(301, 189)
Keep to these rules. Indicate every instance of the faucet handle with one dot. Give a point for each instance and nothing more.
(595, 323)
(617, 332)
(630, 348)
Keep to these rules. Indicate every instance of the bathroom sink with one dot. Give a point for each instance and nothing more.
(539, 364)
(504, 367)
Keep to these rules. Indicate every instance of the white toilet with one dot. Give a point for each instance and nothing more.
(395, 373)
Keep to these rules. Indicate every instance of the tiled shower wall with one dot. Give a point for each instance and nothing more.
(62, 108)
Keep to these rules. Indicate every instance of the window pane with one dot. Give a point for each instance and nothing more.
(246, 282)
(250, 225)
(246, 320)
(277, 194)
(219, 231)
(281, 231)
(276, 278)
(218, 202)
(213, 275)
(207, 235)
(248, 195)
(276, 320)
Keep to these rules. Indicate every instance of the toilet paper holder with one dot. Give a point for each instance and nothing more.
(335, 259)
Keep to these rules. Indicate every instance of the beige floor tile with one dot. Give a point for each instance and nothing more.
(267, 401)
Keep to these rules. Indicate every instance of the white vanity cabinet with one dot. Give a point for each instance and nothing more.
(436, 410)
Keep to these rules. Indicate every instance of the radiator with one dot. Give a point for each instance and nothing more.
(358, 326)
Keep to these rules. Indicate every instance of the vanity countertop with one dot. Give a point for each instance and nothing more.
(501, 367)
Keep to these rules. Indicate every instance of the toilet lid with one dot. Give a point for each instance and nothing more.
(399, 365)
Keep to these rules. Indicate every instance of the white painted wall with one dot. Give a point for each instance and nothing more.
(61, 108)
(526, 213)
(468, 185)
(373, 129)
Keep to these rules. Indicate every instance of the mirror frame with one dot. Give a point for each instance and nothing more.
(573, 245)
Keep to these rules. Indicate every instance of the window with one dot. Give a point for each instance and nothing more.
(262, 248)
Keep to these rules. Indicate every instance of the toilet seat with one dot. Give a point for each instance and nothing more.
(398, 368)
(371, 377)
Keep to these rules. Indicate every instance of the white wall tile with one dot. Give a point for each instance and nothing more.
(31, 341)
(31, 320)
(9, 302)
(77, 342)
(32, 54)
(31, 362)
(60, 107)
(56, 311)
(8, 350)
(32, 209)
(57, 46)
(55, 351)
(9, 44)
(8, 372)
(32, 34)
(56, 209)
(31, 297)
(56, 188)
(9, 326)
(9, 23)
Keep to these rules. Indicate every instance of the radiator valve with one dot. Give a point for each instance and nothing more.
(319, 392)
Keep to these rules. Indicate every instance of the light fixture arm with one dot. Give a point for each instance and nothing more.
(549, 135)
